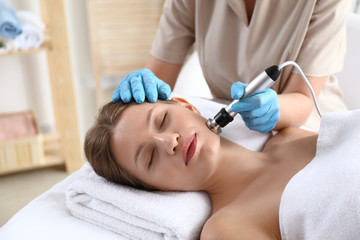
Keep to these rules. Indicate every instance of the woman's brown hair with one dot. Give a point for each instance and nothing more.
(97, 147)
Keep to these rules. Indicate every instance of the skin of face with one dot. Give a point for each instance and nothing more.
(162, 129)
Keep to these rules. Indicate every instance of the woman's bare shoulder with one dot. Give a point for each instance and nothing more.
(287, 135)
(225, 226)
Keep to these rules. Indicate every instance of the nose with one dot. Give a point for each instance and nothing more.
(167, 142)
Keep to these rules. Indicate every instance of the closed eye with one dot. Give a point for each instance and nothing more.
(163, 120)
(151, 159)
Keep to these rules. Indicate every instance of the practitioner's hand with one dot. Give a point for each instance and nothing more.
(260, 111)
(140, 83)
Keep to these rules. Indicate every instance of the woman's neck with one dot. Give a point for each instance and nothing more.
(237, 169)
(241, 172)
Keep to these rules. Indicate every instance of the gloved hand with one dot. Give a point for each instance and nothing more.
(260, 111)
(139, 83)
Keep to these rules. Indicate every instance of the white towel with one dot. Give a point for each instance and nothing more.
(137, 214)
(322, 201)
(32, 35)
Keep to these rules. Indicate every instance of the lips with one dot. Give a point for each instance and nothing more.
(189, 148)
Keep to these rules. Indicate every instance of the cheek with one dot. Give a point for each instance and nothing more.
(210, 143)
(167, 180)
(169, 176)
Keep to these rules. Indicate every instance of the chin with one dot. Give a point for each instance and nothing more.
(210, 148)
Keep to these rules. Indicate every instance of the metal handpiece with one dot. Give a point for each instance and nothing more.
(262, 82)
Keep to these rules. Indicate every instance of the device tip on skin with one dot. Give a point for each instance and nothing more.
(213, 126)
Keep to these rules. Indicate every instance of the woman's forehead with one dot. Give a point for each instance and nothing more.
(131, 119)
(126, 133)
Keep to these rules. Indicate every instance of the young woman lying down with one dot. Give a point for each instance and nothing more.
(300, 186)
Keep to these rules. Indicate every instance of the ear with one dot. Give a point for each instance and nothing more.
(186, 104)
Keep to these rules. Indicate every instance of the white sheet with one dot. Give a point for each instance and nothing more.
(46, 217)
(322, 201)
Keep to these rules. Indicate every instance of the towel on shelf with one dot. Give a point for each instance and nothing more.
(137, 214)
(322, 201)
(32, 35)
(10, 25)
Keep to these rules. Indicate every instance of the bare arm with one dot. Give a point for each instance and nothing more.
(168, 72)
(296, 102)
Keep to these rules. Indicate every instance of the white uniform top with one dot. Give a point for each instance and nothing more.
(309, 32)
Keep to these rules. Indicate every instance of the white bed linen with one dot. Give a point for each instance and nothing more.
(47, 217)
(322, 201)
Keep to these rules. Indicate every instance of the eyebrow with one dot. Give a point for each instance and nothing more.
(139, 149)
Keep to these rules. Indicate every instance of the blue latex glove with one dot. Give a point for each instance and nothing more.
(140, 83)
(260, 111)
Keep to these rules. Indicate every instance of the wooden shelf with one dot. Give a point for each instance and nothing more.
(43, 47)
(65, 148)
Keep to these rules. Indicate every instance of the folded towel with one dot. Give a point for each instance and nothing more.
(10, 26)
(137, 214)
(322, 201)
(33, 31)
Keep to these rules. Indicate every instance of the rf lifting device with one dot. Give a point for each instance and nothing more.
(260, 83)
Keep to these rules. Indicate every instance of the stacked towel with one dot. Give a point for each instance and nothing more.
(33, 31)
(137, 214)
(19, 31)
(10, 26)
(322, 201)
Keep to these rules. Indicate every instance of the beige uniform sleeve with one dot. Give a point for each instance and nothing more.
(175, 34)
(323, 50)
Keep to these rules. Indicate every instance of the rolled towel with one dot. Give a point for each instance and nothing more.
(33, 31)
(10, 25)
(137, 214)
(27, 17)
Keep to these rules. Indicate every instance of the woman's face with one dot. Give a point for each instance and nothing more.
(167, 146)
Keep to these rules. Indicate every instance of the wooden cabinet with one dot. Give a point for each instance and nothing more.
(64, 146)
